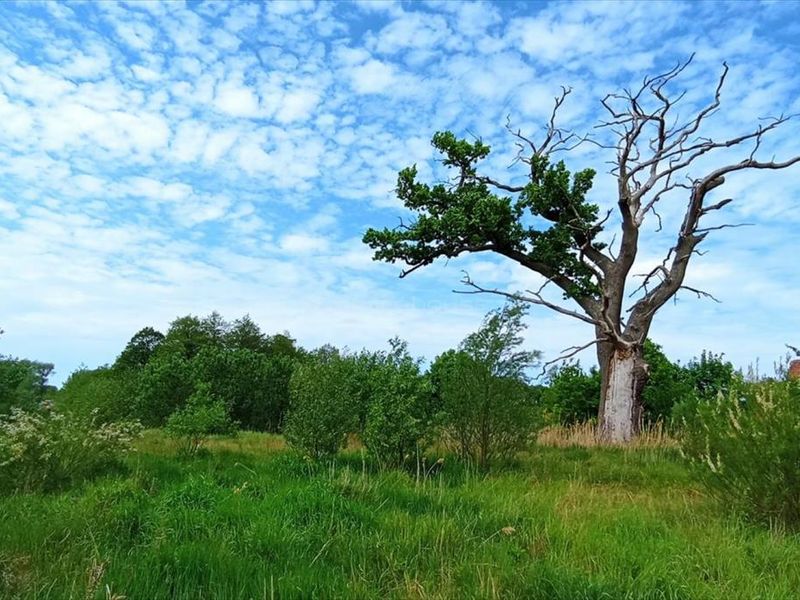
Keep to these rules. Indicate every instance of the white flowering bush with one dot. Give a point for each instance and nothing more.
(46, 450)
(746, 446)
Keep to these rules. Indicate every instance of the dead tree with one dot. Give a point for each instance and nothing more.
(655, 152)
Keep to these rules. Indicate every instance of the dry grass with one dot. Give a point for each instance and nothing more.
(247, 442)
(585, 435)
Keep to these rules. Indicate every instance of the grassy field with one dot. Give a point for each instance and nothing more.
(250, 520)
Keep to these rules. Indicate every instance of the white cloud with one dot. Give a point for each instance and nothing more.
(298, 243)
(374, 76)
(413, 30)
(297, 105)
(8, 210)
(189, 140)
(218, 144)
(236, 100)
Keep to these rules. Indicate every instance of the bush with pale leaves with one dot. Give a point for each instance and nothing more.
(746, 446)
(46, 450)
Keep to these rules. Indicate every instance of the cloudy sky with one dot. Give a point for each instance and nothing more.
(164, 159)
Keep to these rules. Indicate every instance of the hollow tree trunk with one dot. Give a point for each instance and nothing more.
(623, 377)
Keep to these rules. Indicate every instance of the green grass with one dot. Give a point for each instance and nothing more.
(250, 520)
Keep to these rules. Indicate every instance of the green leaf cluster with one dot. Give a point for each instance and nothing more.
(548, 223)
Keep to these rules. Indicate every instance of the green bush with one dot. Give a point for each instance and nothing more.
(323, 409)
(106, 394)
(571, 395)
(484, 416)
(399, 414)
(486, 407)
(23, 383)
(46, 450)
(746, 446)
(203, 415)
(253, 386)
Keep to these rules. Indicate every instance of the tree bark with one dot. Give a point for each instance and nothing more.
(623, 375)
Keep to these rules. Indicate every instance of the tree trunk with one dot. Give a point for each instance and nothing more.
(623, 377)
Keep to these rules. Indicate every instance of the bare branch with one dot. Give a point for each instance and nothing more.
(569, 353)
(700, 293)
(533, 298)
(725, 226)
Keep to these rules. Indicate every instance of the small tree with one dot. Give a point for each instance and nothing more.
(547, 226)
(322, 410)
(486, 406)
(23, 383)
(399, 410)
(202, 416)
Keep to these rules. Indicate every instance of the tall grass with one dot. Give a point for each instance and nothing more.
(586, 435)
(247, 519)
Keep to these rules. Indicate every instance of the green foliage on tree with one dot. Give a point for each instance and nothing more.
(255, 388)
(139, 349)
(322, 410)
(244, 368)
(399, 411)
(108, 394)
(164, 386)
(487, 410)
(203, 415)
(549, 224)
(23, 383)
(188, 335)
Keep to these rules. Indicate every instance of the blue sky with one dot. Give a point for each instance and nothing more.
(164, 159)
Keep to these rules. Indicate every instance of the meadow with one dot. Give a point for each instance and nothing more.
(248, 518)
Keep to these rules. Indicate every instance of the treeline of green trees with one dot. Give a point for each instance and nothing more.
(209, 375)
(672, 392)
(23, 383)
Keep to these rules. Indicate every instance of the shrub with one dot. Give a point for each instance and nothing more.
(202, 416)
(487, 408)
(746, 445)
(485, 417)
(254, 387)
(706, 378)
(571, 396)
(399, 415)
(322, 408)
(710, 374)
(104, 393)
(46, 450)
(23, 383)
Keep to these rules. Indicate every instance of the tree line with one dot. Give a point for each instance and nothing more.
(484, 398)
